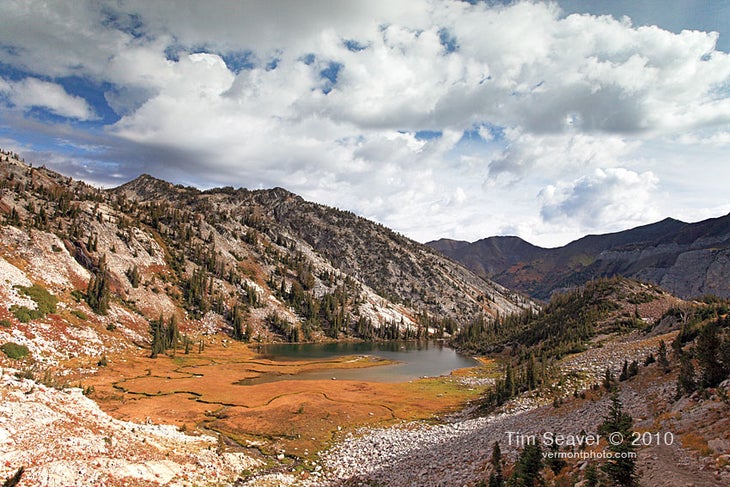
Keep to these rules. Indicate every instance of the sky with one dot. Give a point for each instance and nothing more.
(545, 120)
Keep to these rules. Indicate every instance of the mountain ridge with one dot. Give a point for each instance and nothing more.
(265, 259)
(659, 252)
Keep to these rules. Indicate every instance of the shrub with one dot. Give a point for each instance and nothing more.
(23, 313)
(45, 301)
(5, 323)
(14, 351)
(80, 314)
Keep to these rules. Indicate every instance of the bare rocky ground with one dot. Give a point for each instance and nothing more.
(63, 438)
(456, 452)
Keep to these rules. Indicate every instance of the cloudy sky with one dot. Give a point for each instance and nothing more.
(436, 118)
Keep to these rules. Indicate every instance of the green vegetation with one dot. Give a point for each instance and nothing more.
(14, 351)
(164, 336)
(97, 293)
(528, 467)
(45, 303)
(621, 467)
(496, 478)
(5, 323)
(79, 314)
(562, 327)
(535, 340)
(707, 363)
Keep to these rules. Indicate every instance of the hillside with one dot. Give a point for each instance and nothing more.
(261, 265)
(114, 298)
(687, 259)
(128, 346)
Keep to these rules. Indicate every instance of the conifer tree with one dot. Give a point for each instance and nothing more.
(621, 467)
(591, 476)
(528, 467)
(686, 383)
(495, 478)
(624, 371)
(712, 371)
(662, 357)
(97, 293)
(14, 480)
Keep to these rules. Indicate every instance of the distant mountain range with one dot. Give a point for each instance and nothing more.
(687, 259)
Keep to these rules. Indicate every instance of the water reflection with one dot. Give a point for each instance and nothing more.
(414, 360)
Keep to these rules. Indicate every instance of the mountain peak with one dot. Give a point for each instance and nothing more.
(146, 187)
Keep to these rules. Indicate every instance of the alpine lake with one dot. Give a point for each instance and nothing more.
(294, 399)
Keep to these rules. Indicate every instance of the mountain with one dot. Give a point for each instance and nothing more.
(264, 265)
(687, 259)
(132, 316)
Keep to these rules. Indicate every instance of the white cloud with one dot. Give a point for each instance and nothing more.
(571, 106)
(554, 155)
(32, 92)
(608, 198)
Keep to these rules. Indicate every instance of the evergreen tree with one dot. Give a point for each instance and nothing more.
(591, 476)
(554, 461)
(712, 371)
(133, 276)
(14, 480)
(528, 467)
(686, 383)
(608, 379)
(621, 467)
(633, 368)
(495, 478)
(97, 292)
(662, 357)
(624, 371)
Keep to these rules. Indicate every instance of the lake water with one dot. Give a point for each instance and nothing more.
(415, 359)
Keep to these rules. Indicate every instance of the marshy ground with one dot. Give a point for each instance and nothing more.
(217, 389)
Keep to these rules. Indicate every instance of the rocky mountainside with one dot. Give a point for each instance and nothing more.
(97, 283)
(258, 265)
(687, 259)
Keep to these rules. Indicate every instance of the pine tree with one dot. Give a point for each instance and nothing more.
(133, 276)
(686, 383)
(624, 371)
(662, 357)
(633, 368)
(528, 467)
(554, 461)
(621, 467)
(591, 476)
(608, 379)
(158, 340)
(14, 480)
(97, 292)
(495, 478)
(707, 351)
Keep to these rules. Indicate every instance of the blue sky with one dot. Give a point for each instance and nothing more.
(438, 119)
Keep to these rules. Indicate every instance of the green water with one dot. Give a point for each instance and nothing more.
(414, 360)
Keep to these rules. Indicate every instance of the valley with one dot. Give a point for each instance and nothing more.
(136, 322)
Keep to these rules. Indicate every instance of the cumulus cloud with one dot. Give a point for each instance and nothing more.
(557, 154)
(32, 92)
(604, 199)
(333, 103)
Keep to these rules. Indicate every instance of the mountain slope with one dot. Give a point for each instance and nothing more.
(258, 265)
(687, 259)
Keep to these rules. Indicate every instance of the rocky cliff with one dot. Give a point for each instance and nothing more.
(687, 259)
